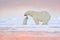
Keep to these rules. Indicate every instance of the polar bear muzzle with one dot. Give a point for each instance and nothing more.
(25, 14)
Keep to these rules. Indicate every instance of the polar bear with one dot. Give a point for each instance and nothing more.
(42, 16)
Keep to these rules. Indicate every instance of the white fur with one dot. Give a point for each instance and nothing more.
(42, 16)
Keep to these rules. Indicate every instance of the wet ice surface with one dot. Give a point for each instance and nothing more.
(19, 21)
(15, 24)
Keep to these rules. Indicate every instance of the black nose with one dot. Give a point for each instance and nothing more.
(25, 15)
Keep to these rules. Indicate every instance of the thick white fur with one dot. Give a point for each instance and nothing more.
(42, 16)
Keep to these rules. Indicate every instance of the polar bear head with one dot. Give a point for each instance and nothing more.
(29, 13)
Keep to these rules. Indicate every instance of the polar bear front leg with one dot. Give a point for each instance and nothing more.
(36, 21)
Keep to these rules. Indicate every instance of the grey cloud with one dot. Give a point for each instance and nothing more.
(13, 2)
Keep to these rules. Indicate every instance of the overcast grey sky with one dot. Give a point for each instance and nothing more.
(18, 7)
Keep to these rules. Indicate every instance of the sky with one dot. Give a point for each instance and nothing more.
(17, 8)
(12, 9)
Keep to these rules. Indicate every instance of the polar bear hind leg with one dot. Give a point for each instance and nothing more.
(45, 22)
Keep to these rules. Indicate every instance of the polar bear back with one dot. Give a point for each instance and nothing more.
(43, 15)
